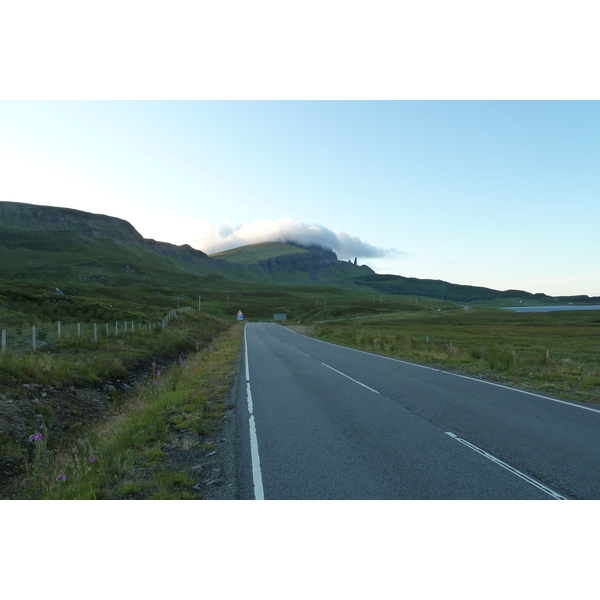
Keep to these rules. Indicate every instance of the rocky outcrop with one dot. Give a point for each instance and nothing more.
(318, 264)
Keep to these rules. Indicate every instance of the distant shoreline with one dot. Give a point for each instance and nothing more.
(550, 308)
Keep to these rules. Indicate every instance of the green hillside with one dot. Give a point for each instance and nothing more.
(63, 258)
(397, 285)
(252, 254)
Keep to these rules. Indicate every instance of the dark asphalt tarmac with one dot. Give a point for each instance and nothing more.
(334, 423)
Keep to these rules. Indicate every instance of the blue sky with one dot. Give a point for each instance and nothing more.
(493, 193)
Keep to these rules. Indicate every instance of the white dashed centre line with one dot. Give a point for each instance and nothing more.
(350, 378)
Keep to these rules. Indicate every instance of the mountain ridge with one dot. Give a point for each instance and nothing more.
(65, 245)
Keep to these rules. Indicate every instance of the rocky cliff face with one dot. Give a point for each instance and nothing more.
(318, 264)
(50, 218)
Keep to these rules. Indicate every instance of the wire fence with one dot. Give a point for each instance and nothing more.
(37, 337)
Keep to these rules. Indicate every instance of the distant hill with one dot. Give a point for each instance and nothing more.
(395, 284)
(435, 288)
(276, 262)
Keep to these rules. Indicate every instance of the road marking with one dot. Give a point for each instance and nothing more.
(506, 387)
(249, 396)
(246, 355)
(508, 467)
(350, 378)
(259, 493)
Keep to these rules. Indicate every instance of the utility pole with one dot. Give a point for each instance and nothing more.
(199, 303)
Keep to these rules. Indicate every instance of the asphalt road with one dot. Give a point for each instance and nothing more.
(319, 421)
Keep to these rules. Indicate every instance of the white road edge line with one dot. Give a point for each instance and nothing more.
(259, 493)
(350, 378)
(246, 355)
(508, 467)
(506, 387)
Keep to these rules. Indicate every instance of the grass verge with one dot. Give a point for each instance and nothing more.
(551, 353)
(137, 453)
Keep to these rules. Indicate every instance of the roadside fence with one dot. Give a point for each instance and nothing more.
(36, 337)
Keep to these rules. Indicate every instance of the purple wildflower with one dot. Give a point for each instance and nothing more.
(92, 459)
(158, 372)
(35, 437)
(155, 383)
(61, 478)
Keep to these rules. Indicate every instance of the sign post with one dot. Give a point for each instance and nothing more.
(240, 316)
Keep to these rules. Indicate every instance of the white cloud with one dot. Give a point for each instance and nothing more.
(226, 237)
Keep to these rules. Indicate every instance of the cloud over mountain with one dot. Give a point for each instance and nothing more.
(225, 237)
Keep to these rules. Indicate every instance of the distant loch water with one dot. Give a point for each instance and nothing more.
(551, 308)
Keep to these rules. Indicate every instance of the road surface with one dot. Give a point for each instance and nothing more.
(319, 421)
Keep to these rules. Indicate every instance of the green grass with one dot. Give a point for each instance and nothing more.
(89, 363)
(556, 353)
(25, 304)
